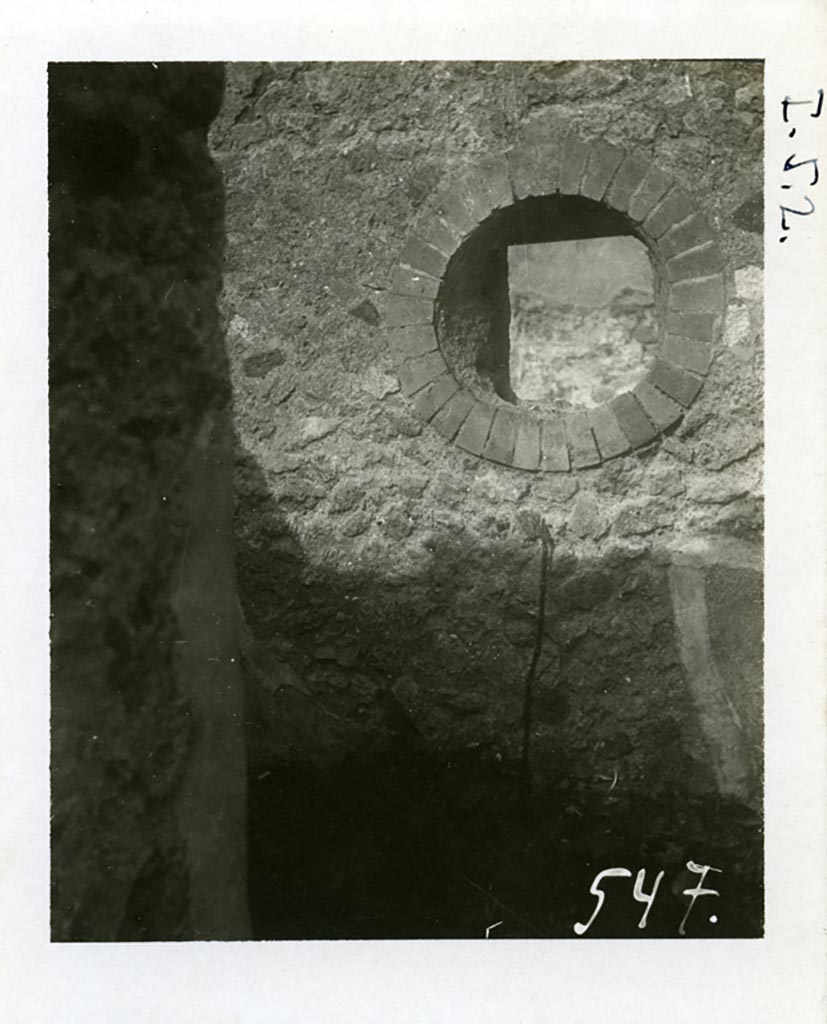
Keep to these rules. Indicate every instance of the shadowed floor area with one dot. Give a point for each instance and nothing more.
(402, 845)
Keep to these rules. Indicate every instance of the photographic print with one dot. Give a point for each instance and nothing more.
(406, 454)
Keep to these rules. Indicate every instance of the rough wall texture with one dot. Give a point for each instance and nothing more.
(389, 581)
(147, 752)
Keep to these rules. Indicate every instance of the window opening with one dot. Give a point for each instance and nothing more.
(583, 325)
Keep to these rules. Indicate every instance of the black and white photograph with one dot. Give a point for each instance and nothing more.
(404, 536)
(406, 500)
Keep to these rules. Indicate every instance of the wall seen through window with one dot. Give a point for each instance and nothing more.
(583, 326)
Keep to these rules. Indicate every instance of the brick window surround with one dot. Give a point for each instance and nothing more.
(535, 181)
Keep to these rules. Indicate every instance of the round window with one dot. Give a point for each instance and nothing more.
(558, 306)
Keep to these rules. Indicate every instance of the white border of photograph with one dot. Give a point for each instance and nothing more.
(780, 977)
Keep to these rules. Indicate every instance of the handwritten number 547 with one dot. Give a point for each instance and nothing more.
(648, 898)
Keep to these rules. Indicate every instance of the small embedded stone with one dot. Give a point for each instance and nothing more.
(717, 491)
(645, 517)
(530, 524)
(561, 488)
(377, 384)
(346, 496)
(401, 424)
(260, 364)
(412, 486)
(749, 97)
(397, 525)
(346, 655)
(749, 283)
(666, 481)
(284, 463)
(749, 216)
(678, 449)
(586, 519)
(314, 428)
(495, 487)
(739, 334)
(366, 312)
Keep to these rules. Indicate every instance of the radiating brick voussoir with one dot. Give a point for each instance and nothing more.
(628, 178)
(534, 169)
(499, 447)
(702, 261)
(430, 399)
(662, 410)
(404, 311)
(582, 446)
(416, 373)
(703, 326)
(554, 456)
(697, 295)
(611, 441)
(452, 415)
(688, 353)
(678, 383)
(411, 341)
(414, 283)
(573, 157)
(485, 188)
(687, 234)
(676, 206)
(633, 421)
(420, 255)
(450, 208)
(474, 431)
(656, 183)
(604, 160)
(437, 233)
(527, 448)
